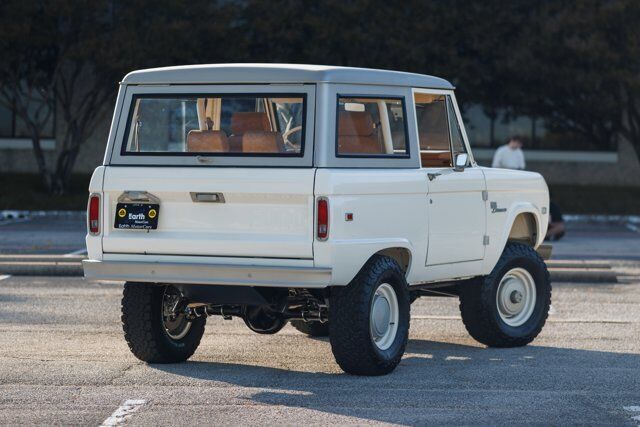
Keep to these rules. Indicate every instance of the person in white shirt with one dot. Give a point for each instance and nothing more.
(510, 155)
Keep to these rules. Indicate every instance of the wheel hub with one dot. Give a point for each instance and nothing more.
(383, 316)
(380, 315)
(516, 297)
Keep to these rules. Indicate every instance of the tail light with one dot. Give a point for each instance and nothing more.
(93, 214)
(322, 226)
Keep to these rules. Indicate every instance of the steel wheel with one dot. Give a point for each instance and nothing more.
(176, 326)
(516, 297)
(383, 317)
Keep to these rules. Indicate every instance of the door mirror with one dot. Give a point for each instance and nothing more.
(461, 161)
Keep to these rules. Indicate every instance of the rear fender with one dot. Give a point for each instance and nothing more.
(349, 256)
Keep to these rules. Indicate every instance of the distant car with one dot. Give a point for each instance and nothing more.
(327, 197)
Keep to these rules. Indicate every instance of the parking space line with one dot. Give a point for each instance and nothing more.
(4, 276)
(633, 409)
(614, 321)
(124, 412)
(14, 221)
(80, 251)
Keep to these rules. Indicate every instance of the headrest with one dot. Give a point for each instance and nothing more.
(355, 123)
(249, 121)
(207, 141)
(262, 142)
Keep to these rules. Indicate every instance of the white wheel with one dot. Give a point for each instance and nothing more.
(383, 317)
(516, 297)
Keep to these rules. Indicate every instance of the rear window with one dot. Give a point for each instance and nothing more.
(221, 124)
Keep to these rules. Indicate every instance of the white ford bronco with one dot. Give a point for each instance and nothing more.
(327, 197)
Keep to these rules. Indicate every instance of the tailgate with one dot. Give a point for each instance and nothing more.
(263, 212)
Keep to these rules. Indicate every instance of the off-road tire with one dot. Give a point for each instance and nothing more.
(313, 329)
(478, 300)
(349, 312)
(144, 330)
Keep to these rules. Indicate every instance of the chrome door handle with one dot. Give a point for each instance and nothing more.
(496, 209)
(207, 197)
(433, 176)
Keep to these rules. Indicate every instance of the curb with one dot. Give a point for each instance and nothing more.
(41, 265)
(583, 276)
(42, 268)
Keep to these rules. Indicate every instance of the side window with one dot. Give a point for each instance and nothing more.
(371, 127)
(433, 130)
(457, 143)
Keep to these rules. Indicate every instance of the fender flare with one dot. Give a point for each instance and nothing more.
(513, 212)
(349, 256)
(518, 208)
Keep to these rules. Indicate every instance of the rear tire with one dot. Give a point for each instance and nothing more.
(509, 307)
(369, 319)
(152, 336)
(313, 329)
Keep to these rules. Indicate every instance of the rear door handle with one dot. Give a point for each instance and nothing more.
(207, 197)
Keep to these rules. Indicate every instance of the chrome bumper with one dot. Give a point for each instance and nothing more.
(207, 274)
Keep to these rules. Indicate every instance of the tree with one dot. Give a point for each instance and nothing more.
(73, 53)
(26, 86)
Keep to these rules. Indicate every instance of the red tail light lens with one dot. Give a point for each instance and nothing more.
(322, 228)
(93, 214)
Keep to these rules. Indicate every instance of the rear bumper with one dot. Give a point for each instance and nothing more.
(207, 274)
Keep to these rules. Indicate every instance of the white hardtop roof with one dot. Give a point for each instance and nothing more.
(280, 73)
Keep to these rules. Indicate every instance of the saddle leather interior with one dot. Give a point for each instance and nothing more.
(207, 141)
(356, 134)
(243, 122)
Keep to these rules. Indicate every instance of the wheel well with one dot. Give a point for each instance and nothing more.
(524, 229)
(401, 255)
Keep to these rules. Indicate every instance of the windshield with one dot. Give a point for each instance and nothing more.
(234, 124)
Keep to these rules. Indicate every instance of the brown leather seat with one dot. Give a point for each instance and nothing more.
(262, 142)
(356, 134)
(435, 159)
(207, 141)
(243, 122)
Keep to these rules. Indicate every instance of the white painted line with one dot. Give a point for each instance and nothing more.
(621, 322)
(633, 227)
(78, 252)
(123, 413)
(14, 221)
(633, 409)
(4, 276)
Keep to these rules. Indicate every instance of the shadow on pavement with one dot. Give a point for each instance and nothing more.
(445, 378)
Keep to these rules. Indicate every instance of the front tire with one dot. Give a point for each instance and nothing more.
(509, 307)
(369, 319)
(152, 333)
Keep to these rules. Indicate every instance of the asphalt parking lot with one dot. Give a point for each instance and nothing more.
(63, 360)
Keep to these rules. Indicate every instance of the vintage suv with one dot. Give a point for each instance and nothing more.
(327, 197)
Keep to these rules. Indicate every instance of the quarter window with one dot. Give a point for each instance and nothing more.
(371, 127)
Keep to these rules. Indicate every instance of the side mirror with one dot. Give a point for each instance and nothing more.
(461, 161)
